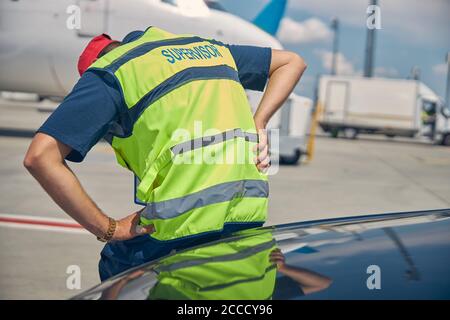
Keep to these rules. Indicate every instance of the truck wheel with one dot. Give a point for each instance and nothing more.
(446, 140)
(291, 159)
(334, 132)
(350, 133)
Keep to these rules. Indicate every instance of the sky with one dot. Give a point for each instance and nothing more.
(413, 33)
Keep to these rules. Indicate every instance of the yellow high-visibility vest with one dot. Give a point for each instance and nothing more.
(235, 269)
(187, 133)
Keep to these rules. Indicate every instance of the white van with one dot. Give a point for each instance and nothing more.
(394, 107)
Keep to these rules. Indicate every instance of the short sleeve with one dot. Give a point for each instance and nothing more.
(132, 36)
(253, 64)
(84, 116)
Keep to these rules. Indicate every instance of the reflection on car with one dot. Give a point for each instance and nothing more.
(325, 259)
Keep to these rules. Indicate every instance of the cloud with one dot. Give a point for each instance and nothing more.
(307, 31)
(412, 20)
(386, 72)
(344, 66)
(352, 12)
(440, 69)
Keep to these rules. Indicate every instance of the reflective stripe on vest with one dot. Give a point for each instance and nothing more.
(209, 140)
(168, 83)
(245, 253)
(222, 192)
(269, 269)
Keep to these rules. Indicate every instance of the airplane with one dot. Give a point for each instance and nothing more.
(40, 47)
(42, 39)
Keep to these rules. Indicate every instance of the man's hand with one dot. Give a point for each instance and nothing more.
(277, 257)
(128, 227)
(285, 71)
(262, 159)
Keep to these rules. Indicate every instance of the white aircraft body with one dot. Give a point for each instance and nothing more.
(42, 39)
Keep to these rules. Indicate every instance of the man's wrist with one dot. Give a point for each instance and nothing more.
(109, 234)
(260, 124)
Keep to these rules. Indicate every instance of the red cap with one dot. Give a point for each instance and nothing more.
(90, 53)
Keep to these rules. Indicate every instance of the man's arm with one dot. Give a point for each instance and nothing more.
(286, 69)
(309, 281)
(45, 161)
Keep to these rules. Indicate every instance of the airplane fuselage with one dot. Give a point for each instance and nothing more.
(41, 41)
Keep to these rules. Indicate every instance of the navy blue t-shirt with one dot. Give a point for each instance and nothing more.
(94, 104)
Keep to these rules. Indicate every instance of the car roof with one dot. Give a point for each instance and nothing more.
(387, 256)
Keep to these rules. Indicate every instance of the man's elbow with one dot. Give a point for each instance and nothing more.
(36, 158)
(296, 62)
(299, 63)
(33, 161)
(44, 152)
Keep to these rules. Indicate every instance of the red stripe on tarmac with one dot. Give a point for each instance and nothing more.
(42, 223)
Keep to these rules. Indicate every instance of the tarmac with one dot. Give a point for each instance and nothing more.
(345, 178)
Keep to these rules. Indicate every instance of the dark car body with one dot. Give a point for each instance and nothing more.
(387, 256)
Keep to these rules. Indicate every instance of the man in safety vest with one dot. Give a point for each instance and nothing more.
(174, 109)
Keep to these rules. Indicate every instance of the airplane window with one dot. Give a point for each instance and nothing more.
(215, 5)
(172, 2)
